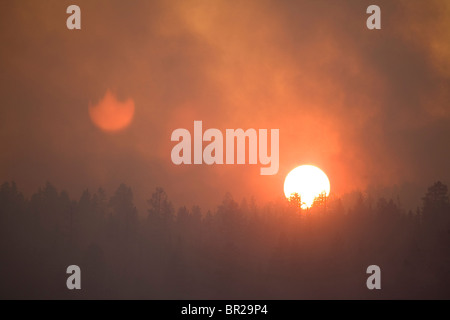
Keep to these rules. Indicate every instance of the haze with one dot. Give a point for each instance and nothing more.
(370, 108)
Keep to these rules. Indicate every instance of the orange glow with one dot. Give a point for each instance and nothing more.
(111, 114)
(308, 182)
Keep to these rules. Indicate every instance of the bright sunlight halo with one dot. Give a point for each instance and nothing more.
(308, 182)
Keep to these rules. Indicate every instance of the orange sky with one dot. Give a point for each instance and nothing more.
(371, 108)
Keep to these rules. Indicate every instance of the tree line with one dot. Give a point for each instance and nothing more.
(240, 250)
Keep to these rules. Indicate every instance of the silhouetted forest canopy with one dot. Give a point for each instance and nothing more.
(240, 250)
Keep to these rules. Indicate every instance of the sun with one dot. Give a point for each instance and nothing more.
(308, 182)
(110, 114)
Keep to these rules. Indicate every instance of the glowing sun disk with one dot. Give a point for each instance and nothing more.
(308, 182)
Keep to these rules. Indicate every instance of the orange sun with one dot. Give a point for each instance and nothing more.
(308, 182)
(111, 114)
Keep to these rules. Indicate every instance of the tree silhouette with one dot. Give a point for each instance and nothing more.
(436, 199)
(295, 201)
(124, 213)
(183, 216)
(320, 202)
(161, 209)
(234, 251)
(436, 208)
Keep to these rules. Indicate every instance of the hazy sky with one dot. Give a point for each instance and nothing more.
(368, 107)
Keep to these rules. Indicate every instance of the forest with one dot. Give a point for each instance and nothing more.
(239, 250)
